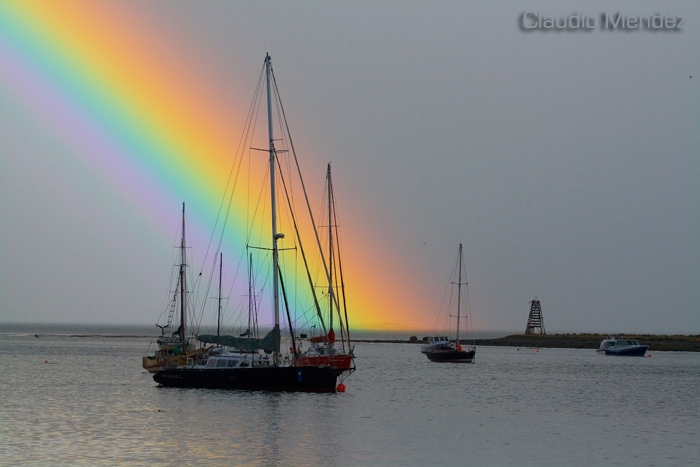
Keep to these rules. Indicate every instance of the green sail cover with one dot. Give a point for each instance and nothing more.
(270, 343)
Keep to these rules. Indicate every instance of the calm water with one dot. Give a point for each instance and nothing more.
(92, 404)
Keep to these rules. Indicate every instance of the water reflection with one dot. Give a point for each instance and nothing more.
(93, 404)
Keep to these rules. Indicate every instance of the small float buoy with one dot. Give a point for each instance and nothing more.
(46, 361)
(537, 350)
(341, 387)
(649, 355)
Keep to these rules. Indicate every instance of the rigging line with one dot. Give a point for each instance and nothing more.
(264, 285)
(303, 253)
(317, 260)
(248, 131)
(336, 270)
(192, 283)
(335, 228)
(446, 303)
(468, 310)
(289, 318)
(250, 223)
(301, 179)
(254, 325)
(174, 263)
(284, 132)
(234, 173)
(235, 166)
(251, 131)
(196, 284)
(340, 270)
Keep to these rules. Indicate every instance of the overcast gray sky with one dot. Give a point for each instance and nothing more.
(566, 162)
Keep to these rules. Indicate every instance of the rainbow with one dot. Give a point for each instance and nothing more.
(123, 94)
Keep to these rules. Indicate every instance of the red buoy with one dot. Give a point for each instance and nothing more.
(341, 387)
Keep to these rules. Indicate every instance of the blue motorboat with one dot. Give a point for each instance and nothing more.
(626, 348)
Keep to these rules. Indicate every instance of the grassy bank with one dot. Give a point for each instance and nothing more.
(665, 343)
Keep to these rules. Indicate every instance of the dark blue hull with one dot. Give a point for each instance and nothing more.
(293, 379)
(637, 351)
(456, 356)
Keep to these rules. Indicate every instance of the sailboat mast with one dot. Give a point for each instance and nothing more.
(218, 319)
(183, 288)
(250, 297)
(459, 292)
(275, 234)
(331, 291)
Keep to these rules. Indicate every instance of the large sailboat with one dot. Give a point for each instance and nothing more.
(440, 348)
(251, 362)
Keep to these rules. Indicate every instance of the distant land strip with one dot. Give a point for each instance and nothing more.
(662, 343)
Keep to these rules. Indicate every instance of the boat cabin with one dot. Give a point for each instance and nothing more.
(626, 343)
(606, 343)
(437, 339)
(437, 343)
(226, 362)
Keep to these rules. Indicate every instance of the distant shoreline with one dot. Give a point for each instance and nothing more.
(664, 343)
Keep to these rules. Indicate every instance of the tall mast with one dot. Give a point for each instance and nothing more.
(218, 319)
(183, 288)
(250, 295)
(331, 291)
(275, 234)
(459, 291)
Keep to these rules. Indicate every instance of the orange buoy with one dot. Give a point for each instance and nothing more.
(537, 350)
(46, 361)
(341, 387)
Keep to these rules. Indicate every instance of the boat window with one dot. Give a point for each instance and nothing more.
(222, 363)
(232, 363)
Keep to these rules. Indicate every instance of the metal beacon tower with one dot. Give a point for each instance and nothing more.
(535, 321)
